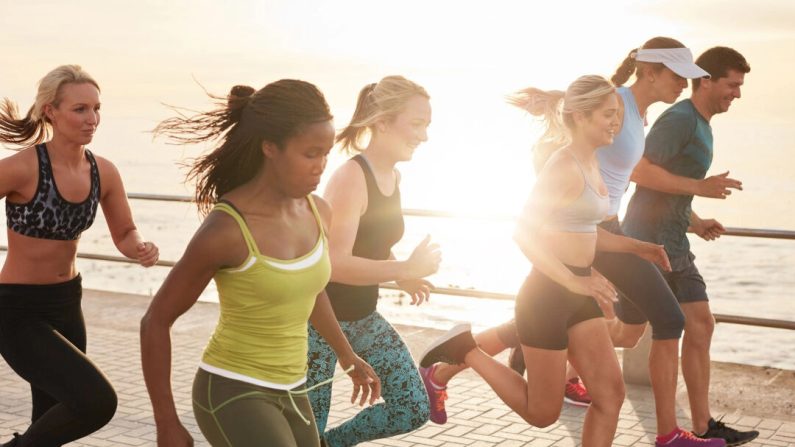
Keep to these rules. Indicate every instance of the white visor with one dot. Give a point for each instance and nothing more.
(678, 60)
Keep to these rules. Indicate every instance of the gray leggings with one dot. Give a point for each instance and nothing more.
(231, 413)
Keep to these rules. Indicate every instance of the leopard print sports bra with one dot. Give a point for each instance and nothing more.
(48, 215)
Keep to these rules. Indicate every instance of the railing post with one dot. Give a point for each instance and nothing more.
(636, 361)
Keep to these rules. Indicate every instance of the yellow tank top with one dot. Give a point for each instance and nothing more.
(265, 304)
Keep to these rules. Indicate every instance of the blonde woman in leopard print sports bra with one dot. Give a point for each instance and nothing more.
(52, 191)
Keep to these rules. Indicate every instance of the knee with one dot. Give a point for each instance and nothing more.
(542, 417)
(410, 412)
(420, 412)
(101, 407)
(406, 420)
(700, 326)
(669, 327)
(627, 336)
(608, 397)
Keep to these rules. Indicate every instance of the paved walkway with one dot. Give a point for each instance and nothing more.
(477, 416)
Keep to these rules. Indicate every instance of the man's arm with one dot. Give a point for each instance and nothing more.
(652, 176)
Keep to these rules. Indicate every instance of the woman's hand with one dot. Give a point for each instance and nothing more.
(598, 287)
(418, 289)
(365, 381)
(173, 435)
(425, 259)
(653, 253)
(147, 254)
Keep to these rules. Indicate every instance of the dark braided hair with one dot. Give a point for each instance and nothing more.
(243, 121)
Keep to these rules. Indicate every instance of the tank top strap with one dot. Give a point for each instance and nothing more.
(316, 213)
(228, 208)
(44, 158)
(93, 162)
(369, 178)
(579, 165)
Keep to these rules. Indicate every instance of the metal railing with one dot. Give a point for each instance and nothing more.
(475, 293)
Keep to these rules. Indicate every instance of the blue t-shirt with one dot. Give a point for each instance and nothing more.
(618, 160)
(680, 142)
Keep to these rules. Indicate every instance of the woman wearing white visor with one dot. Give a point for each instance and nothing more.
(662, 67)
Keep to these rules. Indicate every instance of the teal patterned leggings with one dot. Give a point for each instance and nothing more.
(405, 407)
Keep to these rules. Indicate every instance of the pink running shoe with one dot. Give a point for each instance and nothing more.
(684, 438)
(576, 394)
(436, 395)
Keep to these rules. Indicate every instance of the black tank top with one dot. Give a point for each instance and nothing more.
(48, 215)
(380, 227)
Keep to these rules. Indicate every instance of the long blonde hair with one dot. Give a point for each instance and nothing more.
(35, 127)
(377, 101)
(556, 108)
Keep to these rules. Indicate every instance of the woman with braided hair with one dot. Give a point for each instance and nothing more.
(264, 243)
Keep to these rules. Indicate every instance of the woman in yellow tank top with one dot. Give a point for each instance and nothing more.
(264, 243)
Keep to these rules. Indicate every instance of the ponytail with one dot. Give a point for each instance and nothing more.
(243, 121)
(630, 65)
(625, 70)
(379, 101)
(555, 107)
(349, 138)
(35, 127)
(548, 106)
(20, 131)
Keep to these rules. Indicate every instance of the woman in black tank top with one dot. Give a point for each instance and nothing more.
(365, 197)
(52, 193)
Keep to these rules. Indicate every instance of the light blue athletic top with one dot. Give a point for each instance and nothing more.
(617, 160)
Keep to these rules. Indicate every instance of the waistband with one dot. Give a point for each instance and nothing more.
(579, 271)
(41, 296)
(612, 225)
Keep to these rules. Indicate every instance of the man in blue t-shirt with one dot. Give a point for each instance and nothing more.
(677, 156)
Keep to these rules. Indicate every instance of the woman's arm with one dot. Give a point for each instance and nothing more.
(119, 217)
(607, 241)
(346, 192)
(557, 184)
(17, 172)
(204, 255)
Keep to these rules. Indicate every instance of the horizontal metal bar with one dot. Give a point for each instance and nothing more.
(414, 212)
(99, 257)
(474, 293)
(753, 321)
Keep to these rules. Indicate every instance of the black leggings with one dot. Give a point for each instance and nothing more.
(645, 295)
(43, 339)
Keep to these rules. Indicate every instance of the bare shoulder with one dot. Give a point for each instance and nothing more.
(347, 189)
(218, 239)
(349, 175)
(561, 173)
(21, 159)
(105, 166)
(323, 207)
(17, 169)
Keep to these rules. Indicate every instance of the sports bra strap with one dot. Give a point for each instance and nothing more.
(316, 213)
(229, 209)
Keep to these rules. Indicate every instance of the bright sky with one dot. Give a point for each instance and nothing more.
(468, 55)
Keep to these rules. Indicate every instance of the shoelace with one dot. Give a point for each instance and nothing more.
(691, 437)
(291, 393)
(441, 396)
(578, 390)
